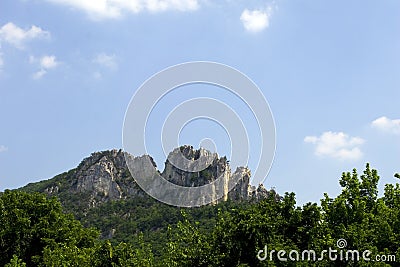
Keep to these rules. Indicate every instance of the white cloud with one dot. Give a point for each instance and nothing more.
(387, 125)
(255, 20)
(39, 74)
(111, 9)
(163, 5)
(16, 36)
(3, 148)
(46, 63)
(108, 61)
(336, 145)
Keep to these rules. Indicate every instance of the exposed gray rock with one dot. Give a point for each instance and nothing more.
(242, 190)
(216, 167)
(101, 178)
(52, 190)
(105, 176)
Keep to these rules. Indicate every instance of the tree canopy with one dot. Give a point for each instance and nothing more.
(36, 232)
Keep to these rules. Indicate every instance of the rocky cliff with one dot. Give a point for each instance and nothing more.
(104, 176)
(219, 167)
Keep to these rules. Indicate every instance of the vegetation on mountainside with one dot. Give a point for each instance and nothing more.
(36, 232)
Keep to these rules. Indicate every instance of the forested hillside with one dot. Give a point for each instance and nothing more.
(101, 192)
(38, 231)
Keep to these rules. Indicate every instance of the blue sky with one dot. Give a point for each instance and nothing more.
(329, 70)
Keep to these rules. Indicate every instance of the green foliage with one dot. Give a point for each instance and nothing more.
(357, 215)
(64, 255)
(206, 174)
(35, 230)
(15, 262)
(103, 254)
(30, 222)
(189, 247)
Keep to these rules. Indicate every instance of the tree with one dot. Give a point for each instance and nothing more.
(188, 246)
(15, 262)
(31, 222)
(357, 215)
(35, 231)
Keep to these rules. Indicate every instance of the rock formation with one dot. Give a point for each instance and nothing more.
(104, 176)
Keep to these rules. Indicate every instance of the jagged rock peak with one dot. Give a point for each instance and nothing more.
(115, 156)
(105, 173)
(104, 176)
(189, 170)
(193, 154)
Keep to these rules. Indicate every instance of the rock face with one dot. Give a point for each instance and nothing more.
(101, 176)
(218, 167)
(105, 176)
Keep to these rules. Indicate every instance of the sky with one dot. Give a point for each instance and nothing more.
(329, 71)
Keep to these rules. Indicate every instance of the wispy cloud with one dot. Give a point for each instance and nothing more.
(336, 145)
(46, 63)
(387, 125)
(3, 148)
(256, 20)
(16, 36)
(39, 74)
(106, 9)
(108, 61)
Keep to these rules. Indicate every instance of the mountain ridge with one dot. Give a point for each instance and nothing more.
(101, 192)
(104, 176)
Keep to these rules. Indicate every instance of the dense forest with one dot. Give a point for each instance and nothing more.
(359, 227)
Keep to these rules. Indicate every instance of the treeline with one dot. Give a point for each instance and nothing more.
(274, 232)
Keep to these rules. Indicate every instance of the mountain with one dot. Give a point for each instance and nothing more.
(231, 232)
(101, 192)
(104, 176)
